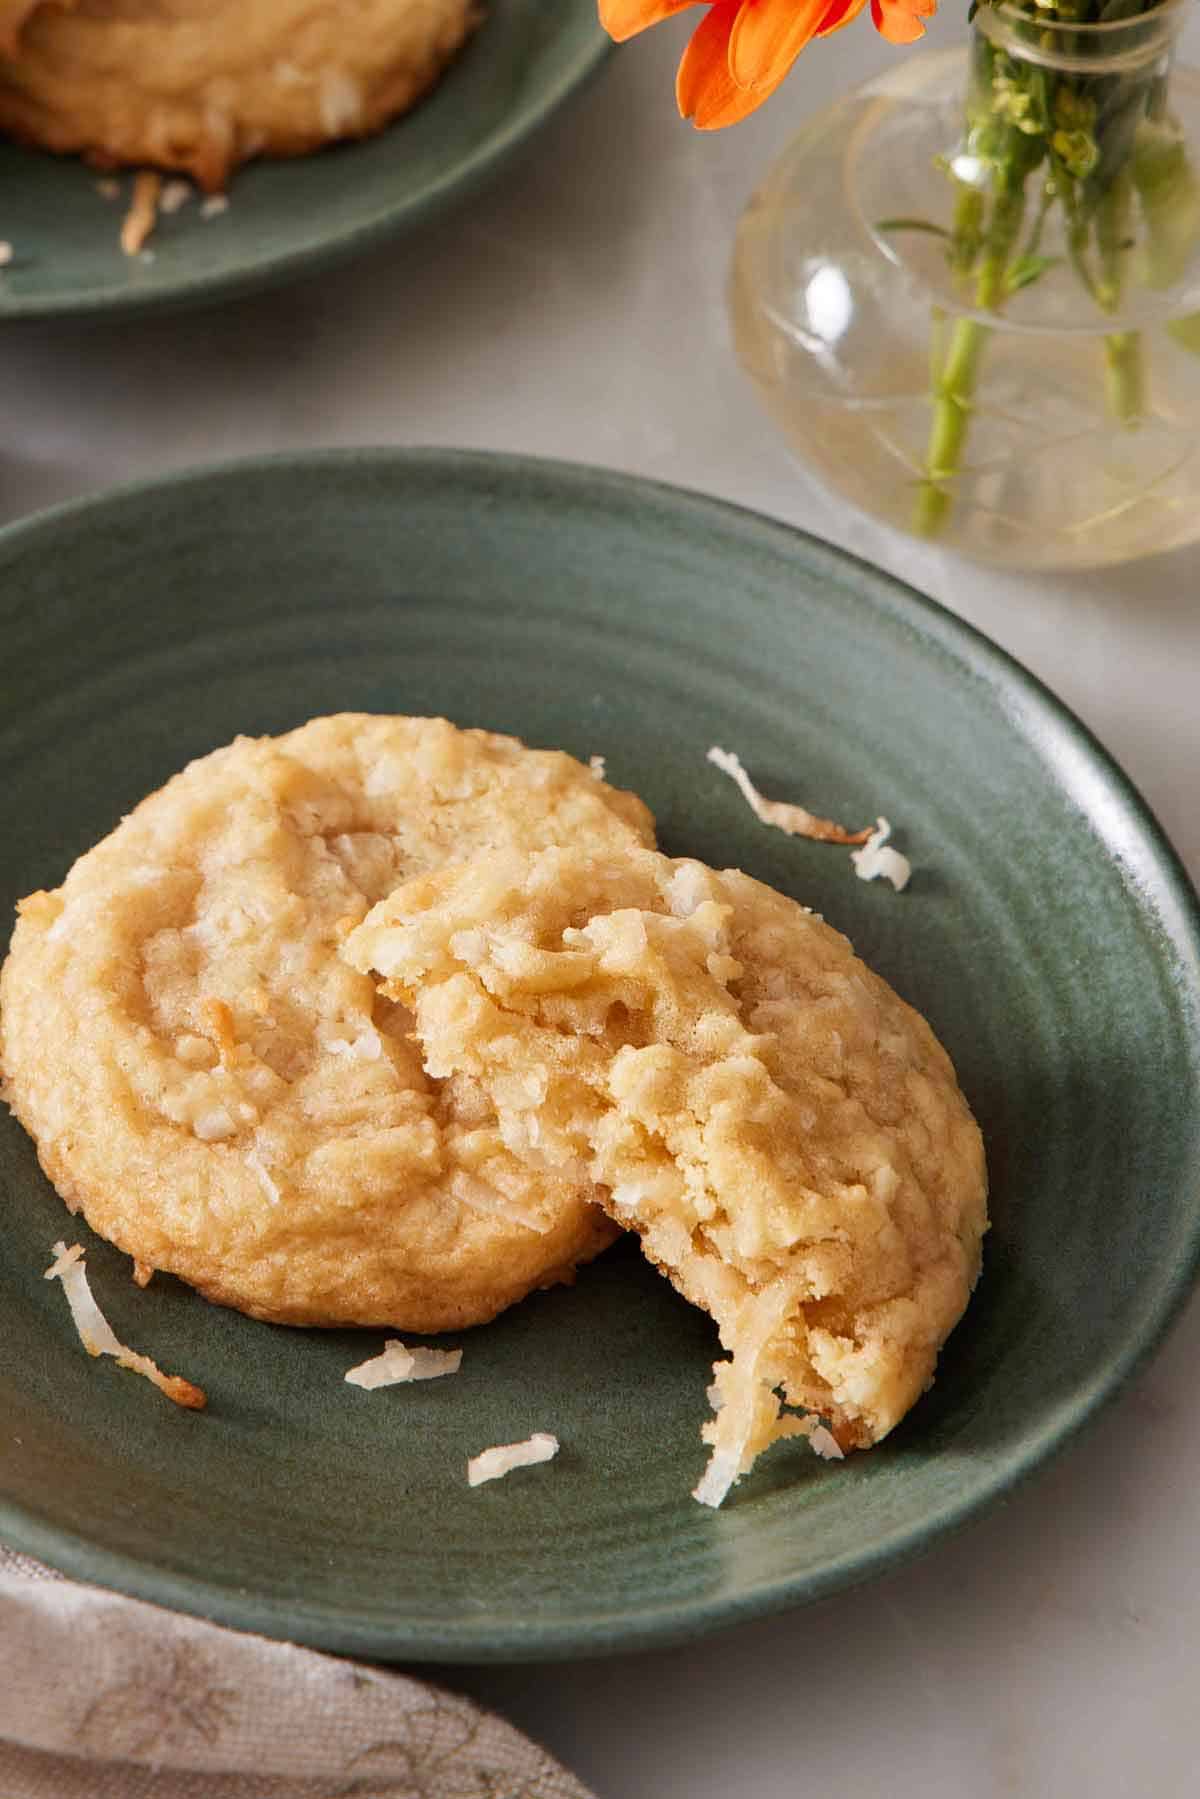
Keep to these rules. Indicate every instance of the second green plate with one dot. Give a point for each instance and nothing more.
(294, 217)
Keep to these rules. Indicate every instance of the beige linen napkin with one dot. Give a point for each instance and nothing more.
(103, 1697)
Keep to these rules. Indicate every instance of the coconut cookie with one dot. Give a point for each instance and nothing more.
(200, 86)
(223, 1097)
(783, 1131)
(13, 14)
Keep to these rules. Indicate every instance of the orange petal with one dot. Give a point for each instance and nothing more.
(899, 21)
(706, 91)
(768, 36)
(625, 18)
(704, 80)
(839, 14)
(733, 107)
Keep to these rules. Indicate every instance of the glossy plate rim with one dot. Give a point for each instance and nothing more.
(1063, 742)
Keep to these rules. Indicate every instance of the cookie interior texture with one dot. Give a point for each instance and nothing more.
(225, 1098)
(200, 86)
(784, 1132)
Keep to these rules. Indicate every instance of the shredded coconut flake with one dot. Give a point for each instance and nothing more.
(6, 253)
(724, 1466)
(214, 1124)
(214, 206)
(262, 1173)
(67, 1259)
(737, 1454)
(502, 1458)
(340, 102)
(60, 928)
(286, 74)
(98, 1337)
(797, 821)
(143, 211)
(746, 1419)
(478, 1196)
(876, 859)
(398, 1364)
(825, 1444)
(688, 889)
(366, 1047)
(598, 767)
(174, 195)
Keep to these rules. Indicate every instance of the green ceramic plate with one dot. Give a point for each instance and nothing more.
(287, 218)
(1048, 933)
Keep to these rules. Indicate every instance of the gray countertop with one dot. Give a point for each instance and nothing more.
(577, 310)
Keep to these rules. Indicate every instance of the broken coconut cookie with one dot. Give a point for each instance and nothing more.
(786, 1135)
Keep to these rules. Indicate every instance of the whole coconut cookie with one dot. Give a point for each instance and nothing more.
(224, 1098)
(783, 1131)
(202, 85)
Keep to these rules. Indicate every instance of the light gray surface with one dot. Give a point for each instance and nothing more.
(577, 310)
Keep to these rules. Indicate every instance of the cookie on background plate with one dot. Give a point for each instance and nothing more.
(199, 86)
(225, 1098)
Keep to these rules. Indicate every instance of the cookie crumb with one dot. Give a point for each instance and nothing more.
(502, 1458)
(174, 195)
(397, 1365)
(877, 860)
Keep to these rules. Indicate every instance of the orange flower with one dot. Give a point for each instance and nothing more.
(742, 49)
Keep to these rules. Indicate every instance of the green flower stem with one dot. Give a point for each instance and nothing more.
(1078, 226)
(1125, 376)
(1039, 224)
(1008, 215)
(954, 394)
(967, 232)
(937, 346)
(1124, 364)
(954, 391)
(1114, 226)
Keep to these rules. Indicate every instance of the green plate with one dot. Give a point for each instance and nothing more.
(292, 217)
(1048, 933)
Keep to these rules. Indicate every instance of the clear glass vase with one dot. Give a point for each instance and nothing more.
(969, 292)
